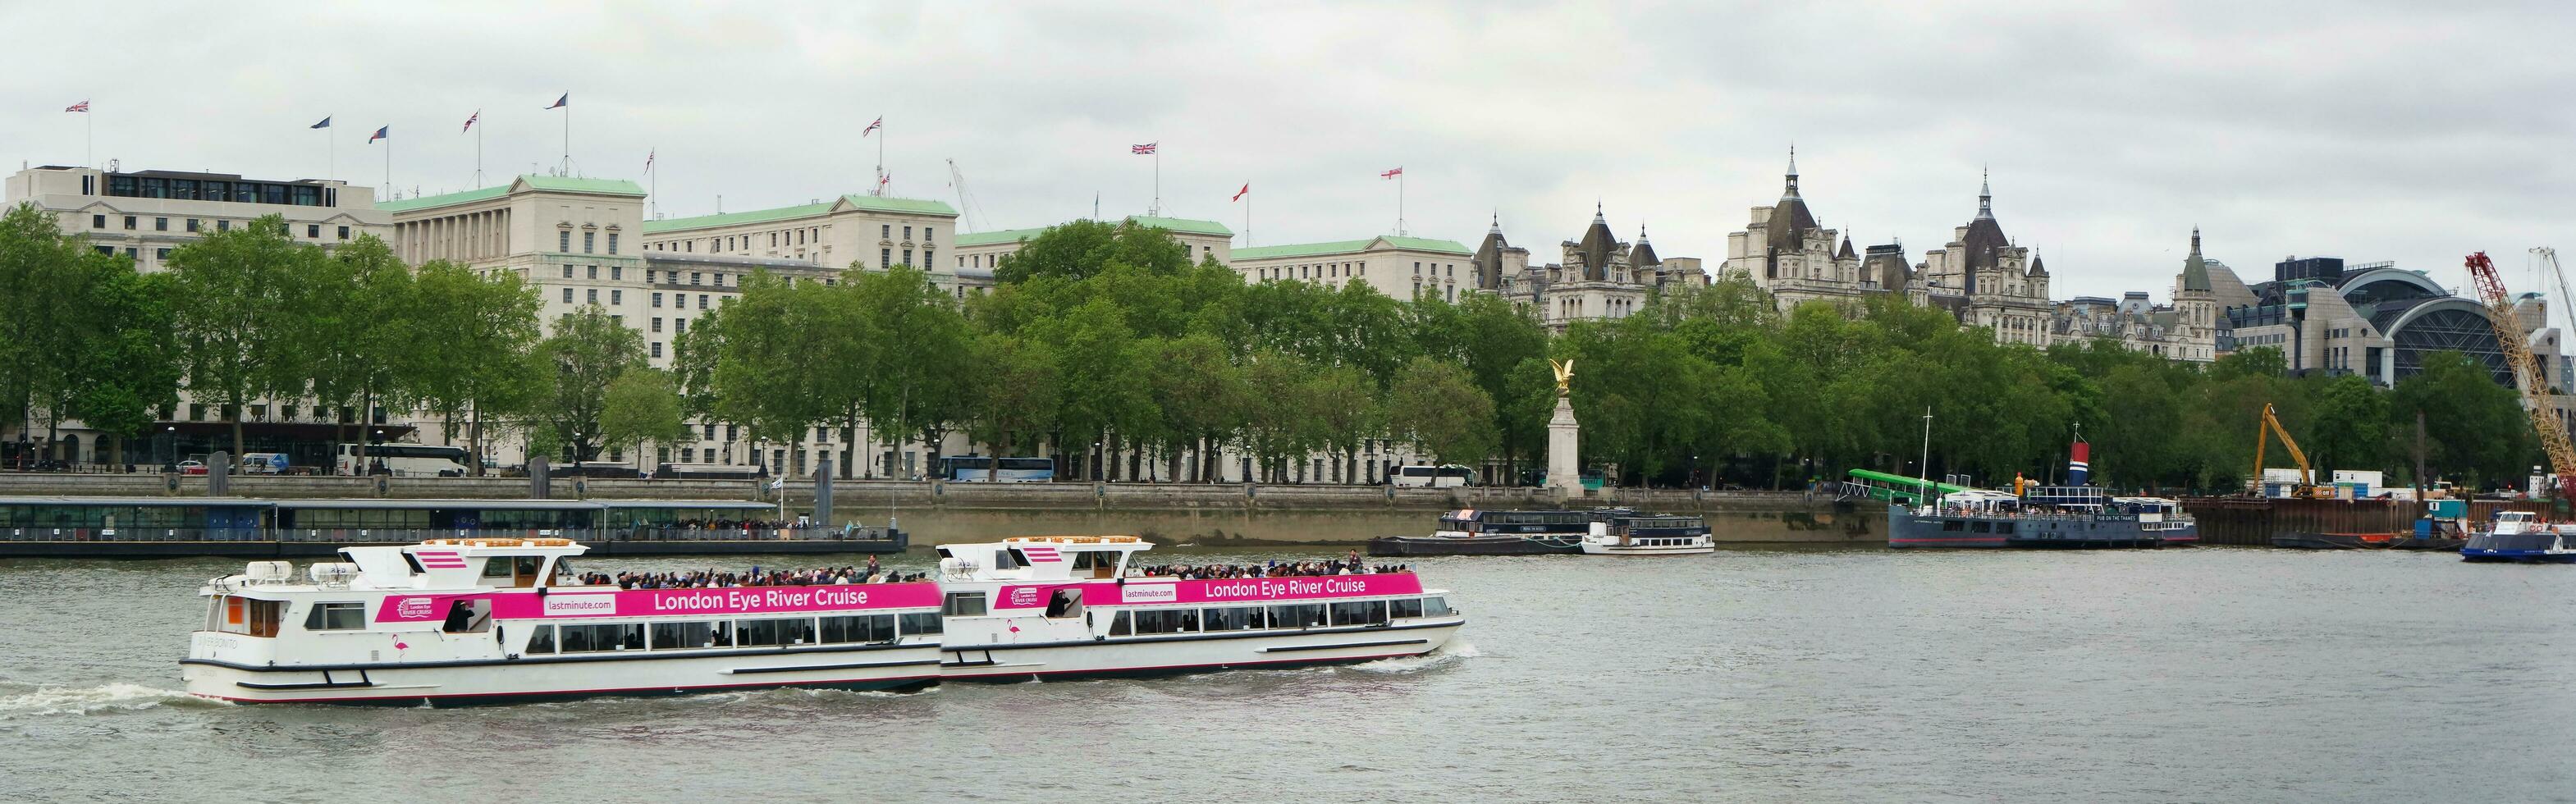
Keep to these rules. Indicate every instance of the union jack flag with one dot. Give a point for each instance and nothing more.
(82, 106)
(878, 124)
(469, 120)
(1042, 555)
(1146, 148)
(1391, 174)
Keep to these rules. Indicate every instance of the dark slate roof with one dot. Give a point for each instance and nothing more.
(1986, 242)
(1847, 251)
(2037, 268)
(1598, 245)
(1790, 223)
(1489, 259)
(1643, 255)
(2195, 271)
(1887, 263)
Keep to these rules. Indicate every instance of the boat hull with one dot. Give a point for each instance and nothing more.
(1168, 654)
(1703, 546)
(2333, 541)
(2483, 556)
(1906, 529)
(1473, 546)
(539, 679)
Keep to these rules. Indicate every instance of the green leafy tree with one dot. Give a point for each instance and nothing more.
(364, 326)
(476, 360)
(128, 365)
(2351, 424)
(588, 352)
(1012, 396)
(1438, 405)
(241, 330)
(2477, 428)
(642, 406)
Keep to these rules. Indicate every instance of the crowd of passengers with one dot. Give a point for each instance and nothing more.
(1274, 569)
(732, 524)
(711, 578)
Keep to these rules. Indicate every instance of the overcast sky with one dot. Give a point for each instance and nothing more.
(2406, 131)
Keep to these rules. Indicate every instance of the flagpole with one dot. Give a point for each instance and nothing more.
(567, 148)
(1399, 201)
(1158, 179)
(89, 138)
(478, 150)
(879, 190)
(389, 162)
(1247, 218)
(331, 153)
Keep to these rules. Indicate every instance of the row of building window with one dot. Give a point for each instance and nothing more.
(312, 231)
(239, 192)
(589, 242)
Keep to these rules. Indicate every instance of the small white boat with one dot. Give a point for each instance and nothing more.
(1075, 606)
(1649, 535)
(489, 620)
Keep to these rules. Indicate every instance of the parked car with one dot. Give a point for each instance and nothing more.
(192, 467)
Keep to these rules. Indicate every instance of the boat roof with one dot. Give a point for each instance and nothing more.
(517, 505)
(152, 502)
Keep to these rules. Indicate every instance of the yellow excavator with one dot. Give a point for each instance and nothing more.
(2271, 426)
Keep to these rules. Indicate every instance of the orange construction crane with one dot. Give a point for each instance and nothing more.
(2535, 389)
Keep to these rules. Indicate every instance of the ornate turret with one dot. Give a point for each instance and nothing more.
(1489, 256)
(1985, 240)
(1790, 220)
(2195, 271)
(2037, 268)
(1846, 250)
(1642, 256)
(1597, 247)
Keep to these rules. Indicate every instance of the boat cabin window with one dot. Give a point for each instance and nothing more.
(1065, 603)
(602, 638)
(963, 604)
(1435, 607)
(1228, 619)
(1301, 615)
(673, 636)
(1954, 524)
(921, 623)
(1407, 607)
(1009, 558)
(795, 631)
(1122, 625)
(336, 617)
(241, 615)
(1166, 621)
(858, 628)
(467, 617)
(542, 641)
(1365, 612)
(1099, 563)
(414, 561)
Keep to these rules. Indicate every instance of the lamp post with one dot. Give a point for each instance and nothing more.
(170, 442)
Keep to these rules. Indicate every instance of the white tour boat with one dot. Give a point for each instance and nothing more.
(1072, 606)
(473, 620)
(1648, 535)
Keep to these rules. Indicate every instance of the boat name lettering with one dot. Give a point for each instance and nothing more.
(760, 599)
(577, 605)
(1284, 587)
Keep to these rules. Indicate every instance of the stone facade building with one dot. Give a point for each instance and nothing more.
(1599, 276)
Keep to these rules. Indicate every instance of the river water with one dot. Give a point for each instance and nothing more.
(2203, 674)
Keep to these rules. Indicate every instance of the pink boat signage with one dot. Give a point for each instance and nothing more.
(675, 602)
(1228, 590)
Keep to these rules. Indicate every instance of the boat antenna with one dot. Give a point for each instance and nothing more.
(1927, 457)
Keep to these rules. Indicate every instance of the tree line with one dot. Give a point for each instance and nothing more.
(1107, 339)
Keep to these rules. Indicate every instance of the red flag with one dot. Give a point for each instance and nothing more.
(1247, 190)
(1391, 174)
(82, 106)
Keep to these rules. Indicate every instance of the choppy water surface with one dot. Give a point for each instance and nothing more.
(2206, 674)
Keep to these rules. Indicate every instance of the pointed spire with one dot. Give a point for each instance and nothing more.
(1985, 194)
(1498, 222)
(1792, 191)
(1641, 231)
(1596, 213)
(2195, 240)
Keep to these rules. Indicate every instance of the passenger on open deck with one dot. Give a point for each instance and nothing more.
(1273, 569)
(711, 578)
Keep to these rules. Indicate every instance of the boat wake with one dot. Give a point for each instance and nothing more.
(1456, 651)
(103, 699)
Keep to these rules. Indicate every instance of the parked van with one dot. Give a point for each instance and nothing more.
(264, 463)
(1433, 476)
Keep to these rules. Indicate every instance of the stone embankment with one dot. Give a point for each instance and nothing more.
(935, 512)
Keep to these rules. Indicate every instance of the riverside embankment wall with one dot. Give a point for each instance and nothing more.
(935, 512)
(2250, 521)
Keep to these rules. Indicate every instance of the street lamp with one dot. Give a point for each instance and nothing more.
(170, 439)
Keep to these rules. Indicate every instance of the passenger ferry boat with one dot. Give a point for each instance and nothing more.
(1047, 607)
(494, 620)
(488, 620)
(1472, 532)
(2521, 536)
(1648, 535)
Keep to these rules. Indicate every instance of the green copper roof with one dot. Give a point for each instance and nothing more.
(556, 184)
(1183, 225)
(995, 238)
(1351, 247)
(866, 202)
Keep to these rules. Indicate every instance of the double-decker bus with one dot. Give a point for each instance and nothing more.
(402, 460)
(978, 469)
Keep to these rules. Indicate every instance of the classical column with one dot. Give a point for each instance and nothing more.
(1564, 459)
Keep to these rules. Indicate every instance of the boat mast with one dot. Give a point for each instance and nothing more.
(1926, 499)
